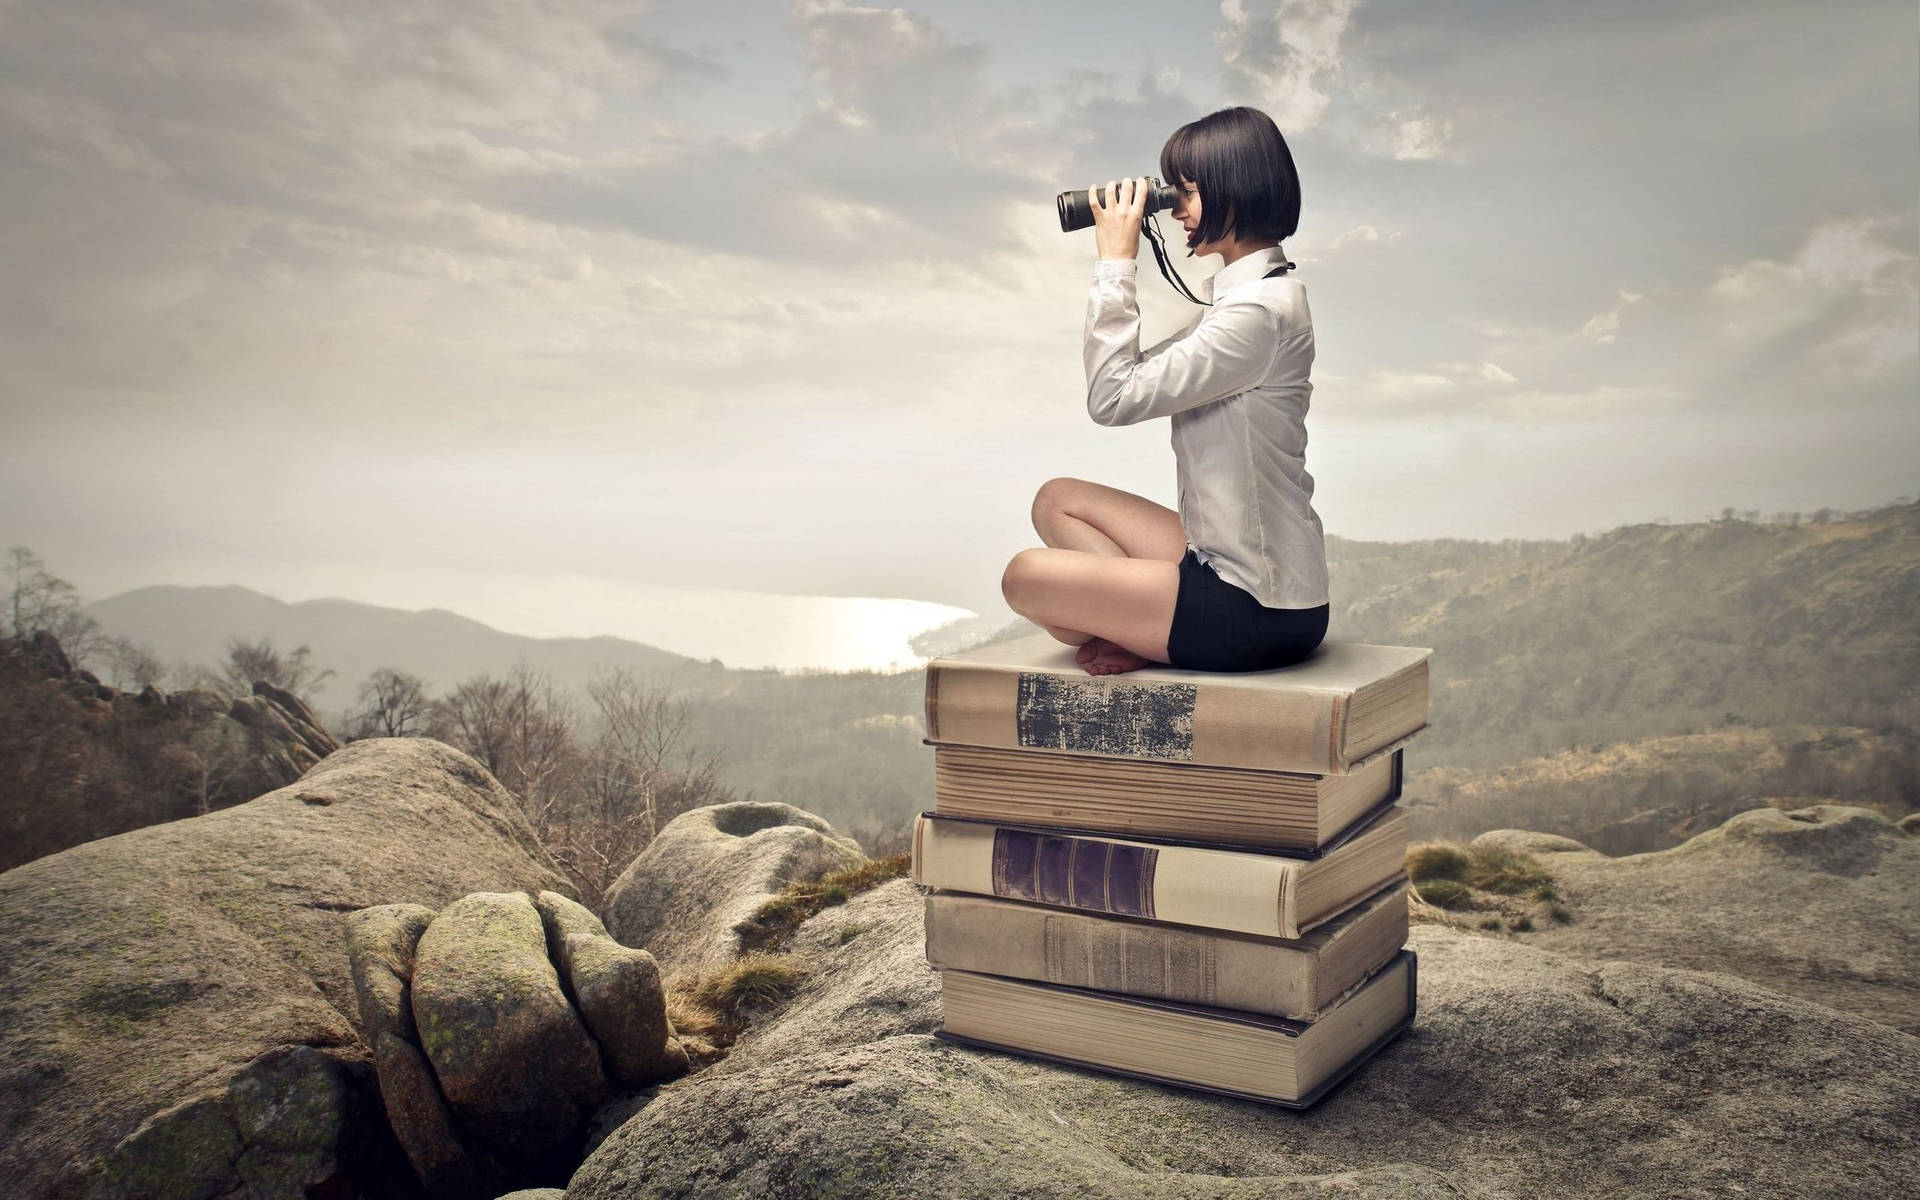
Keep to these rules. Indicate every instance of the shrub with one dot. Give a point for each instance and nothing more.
(753, 978)
(1521, 923)
(1436, 860)
(1446, 893)
(1509, 872)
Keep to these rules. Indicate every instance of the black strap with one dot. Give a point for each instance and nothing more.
(1152, 230)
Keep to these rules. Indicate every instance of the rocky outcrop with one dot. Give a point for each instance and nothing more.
(488, 1069)
(1527, 1073)
(688, 897)
(1821, 902)
(81, 760)
(868, 979)
(618, 991)
(177, 1015)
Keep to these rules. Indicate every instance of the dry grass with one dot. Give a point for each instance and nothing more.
(1436, 860)
(774, 922)
(1509, 887)
(710, 1011)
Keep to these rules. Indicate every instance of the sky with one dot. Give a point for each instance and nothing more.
(440, 304)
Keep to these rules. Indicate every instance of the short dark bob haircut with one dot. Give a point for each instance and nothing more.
(1248, 185)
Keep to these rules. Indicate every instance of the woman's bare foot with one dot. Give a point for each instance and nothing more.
(1102, 657)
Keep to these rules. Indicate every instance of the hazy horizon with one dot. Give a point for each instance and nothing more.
(633, 310)
(765, 630)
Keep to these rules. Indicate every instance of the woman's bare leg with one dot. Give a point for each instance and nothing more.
(1075, 514)
(1112, 613)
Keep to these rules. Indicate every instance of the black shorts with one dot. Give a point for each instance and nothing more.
(1219, 627)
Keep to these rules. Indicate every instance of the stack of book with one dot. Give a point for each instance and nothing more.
(1191, 877)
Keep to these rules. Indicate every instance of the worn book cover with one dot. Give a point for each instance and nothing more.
(1295, 978)
(1268, 893)
(1254, 1057)
(1323, 716)
(1181, 801)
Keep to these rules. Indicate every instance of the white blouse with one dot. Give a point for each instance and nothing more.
(1235, 383)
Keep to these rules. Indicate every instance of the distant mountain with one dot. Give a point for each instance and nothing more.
(1647, 630)
(1650, 793)
(192, 625)
(1644, 632)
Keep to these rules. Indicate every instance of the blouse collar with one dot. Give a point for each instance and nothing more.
(1247, 267)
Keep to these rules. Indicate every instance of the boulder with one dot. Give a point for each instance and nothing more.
(1822, 902)
(151, 975)
(514, 1062)
(1526, 1073)
(868, 979)
(686, 898)
(381, 942)
(618, 992)
(80, 760)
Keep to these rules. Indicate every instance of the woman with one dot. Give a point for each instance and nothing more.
(1236, 580)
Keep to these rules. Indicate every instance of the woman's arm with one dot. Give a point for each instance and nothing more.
(1230, 351)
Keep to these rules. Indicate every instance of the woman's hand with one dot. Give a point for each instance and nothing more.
(1116, 225)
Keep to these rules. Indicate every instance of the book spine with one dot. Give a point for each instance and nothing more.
(1074, 872)
(933, 701)
(1212, 889)
(1109, 954)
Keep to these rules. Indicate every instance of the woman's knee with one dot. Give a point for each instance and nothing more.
(1054, 496)
(1020, 578)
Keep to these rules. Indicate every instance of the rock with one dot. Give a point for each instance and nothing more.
(686, 897)
(1526, 841)
(1527, 1073)
(1822, 902)
(868, 979)
(285, 1124)
(513, 1061)
(80, 760)
(617, 991)
(380, 949)
(150, 974)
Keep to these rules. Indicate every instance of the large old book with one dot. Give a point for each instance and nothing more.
(1294, 979)
(1268, 893)
(1323, 716)
(1292, 1063)
(1182, 801)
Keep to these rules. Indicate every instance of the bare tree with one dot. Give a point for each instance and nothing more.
(130, 666)
(393, 704)
(640, 773)
(40, 601)
(248, 661)
(643, 730)
(521, 729)
(473, 717)
(541, 720)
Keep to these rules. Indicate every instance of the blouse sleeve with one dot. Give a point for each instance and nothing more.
(1229, 351)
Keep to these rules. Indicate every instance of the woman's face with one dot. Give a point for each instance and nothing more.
(1186, 210)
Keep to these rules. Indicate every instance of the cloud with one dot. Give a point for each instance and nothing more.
(1846, 303)
(1292, 59)
(1603, 327)
(1420, 137)
(1285, 54)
